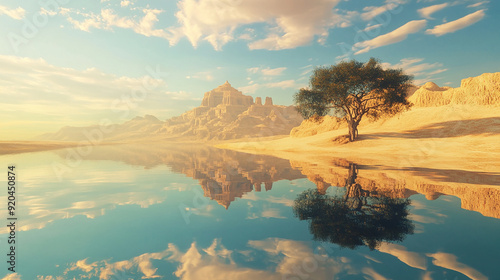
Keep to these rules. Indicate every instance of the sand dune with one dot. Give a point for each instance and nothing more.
(433, 134)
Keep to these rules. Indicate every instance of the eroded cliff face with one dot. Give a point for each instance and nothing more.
(226, 113)
(481, 90)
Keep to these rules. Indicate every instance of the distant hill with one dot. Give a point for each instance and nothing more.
(225, 113)
(481, 90)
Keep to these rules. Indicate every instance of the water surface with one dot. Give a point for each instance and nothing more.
(195, 212)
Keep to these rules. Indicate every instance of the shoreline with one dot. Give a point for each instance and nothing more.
(466, 138)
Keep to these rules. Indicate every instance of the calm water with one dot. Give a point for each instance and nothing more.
(138, 212)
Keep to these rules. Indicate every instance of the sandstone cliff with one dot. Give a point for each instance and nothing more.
(226, 113)
(481, 90)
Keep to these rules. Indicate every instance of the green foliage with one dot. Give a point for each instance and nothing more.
(357, 89)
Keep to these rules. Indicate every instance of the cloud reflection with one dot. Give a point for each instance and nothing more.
(449, 261)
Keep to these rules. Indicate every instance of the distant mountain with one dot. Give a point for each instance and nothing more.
(136, 128)
(225, 113)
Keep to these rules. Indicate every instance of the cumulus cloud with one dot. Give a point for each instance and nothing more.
(107, 19)
(17, 13)
(392, 37)
(288, 26)
(428, 11)
(458, 24)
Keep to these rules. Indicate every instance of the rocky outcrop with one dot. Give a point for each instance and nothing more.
(226, 95)
(481, 90)
(226, 113)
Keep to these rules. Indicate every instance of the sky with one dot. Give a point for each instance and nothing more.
(78, 63)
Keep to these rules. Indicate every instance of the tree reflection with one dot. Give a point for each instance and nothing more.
(357, 218)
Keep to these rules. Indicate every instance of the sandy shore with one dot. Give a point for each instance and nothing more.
(459, 137)
(16, 147)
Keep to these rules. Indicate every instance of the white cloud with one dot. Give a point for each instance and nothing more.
(143, 24)
(458, 24)
(253, 87)
(392, 37)
(124, 3)
(371, 27)
(428, 11)
(253, 70)
(250, 89)
(17, 13)
(372, 11)
(44, 11)
(267, 71)
(204, 76)
(424, 72)
(288, 26)
(283, 84)
(273, 72)
(478, 4)
(12, 276)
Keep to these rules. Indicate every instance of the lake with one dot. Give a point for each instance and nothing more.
(197, 212)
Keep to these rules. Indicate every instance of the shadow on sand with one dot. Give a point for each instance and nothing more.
(488, 126)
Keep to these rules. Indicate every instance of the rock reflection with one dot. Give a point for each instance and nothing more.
(359, 217)
(224, 175)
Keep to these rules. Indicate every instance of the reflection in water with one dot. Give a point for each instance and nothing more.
(358, 218)
(136, 207)
(224, 175)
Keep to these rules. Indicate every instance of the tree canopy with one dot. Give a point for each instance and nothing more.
(357, 89)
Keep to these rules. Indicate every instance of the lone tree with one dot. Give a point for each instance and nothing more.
(356, 89)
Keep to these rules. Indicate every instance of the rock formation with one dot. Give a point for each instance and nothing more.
(224, 175)
(226, 113)
(481, 90)
(477, 191)
(269, 101)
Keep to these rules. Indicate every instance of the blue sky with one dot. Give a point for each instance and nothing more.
(68, 62)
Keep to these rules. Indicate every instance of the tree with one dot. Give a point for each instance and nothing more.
(357, 89)
(359, 218)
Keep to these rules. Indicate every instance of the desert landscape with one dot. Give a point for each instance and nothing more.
(250, 139)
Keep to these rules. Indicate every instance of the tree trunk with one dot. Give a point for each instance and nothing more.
(353, 130)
